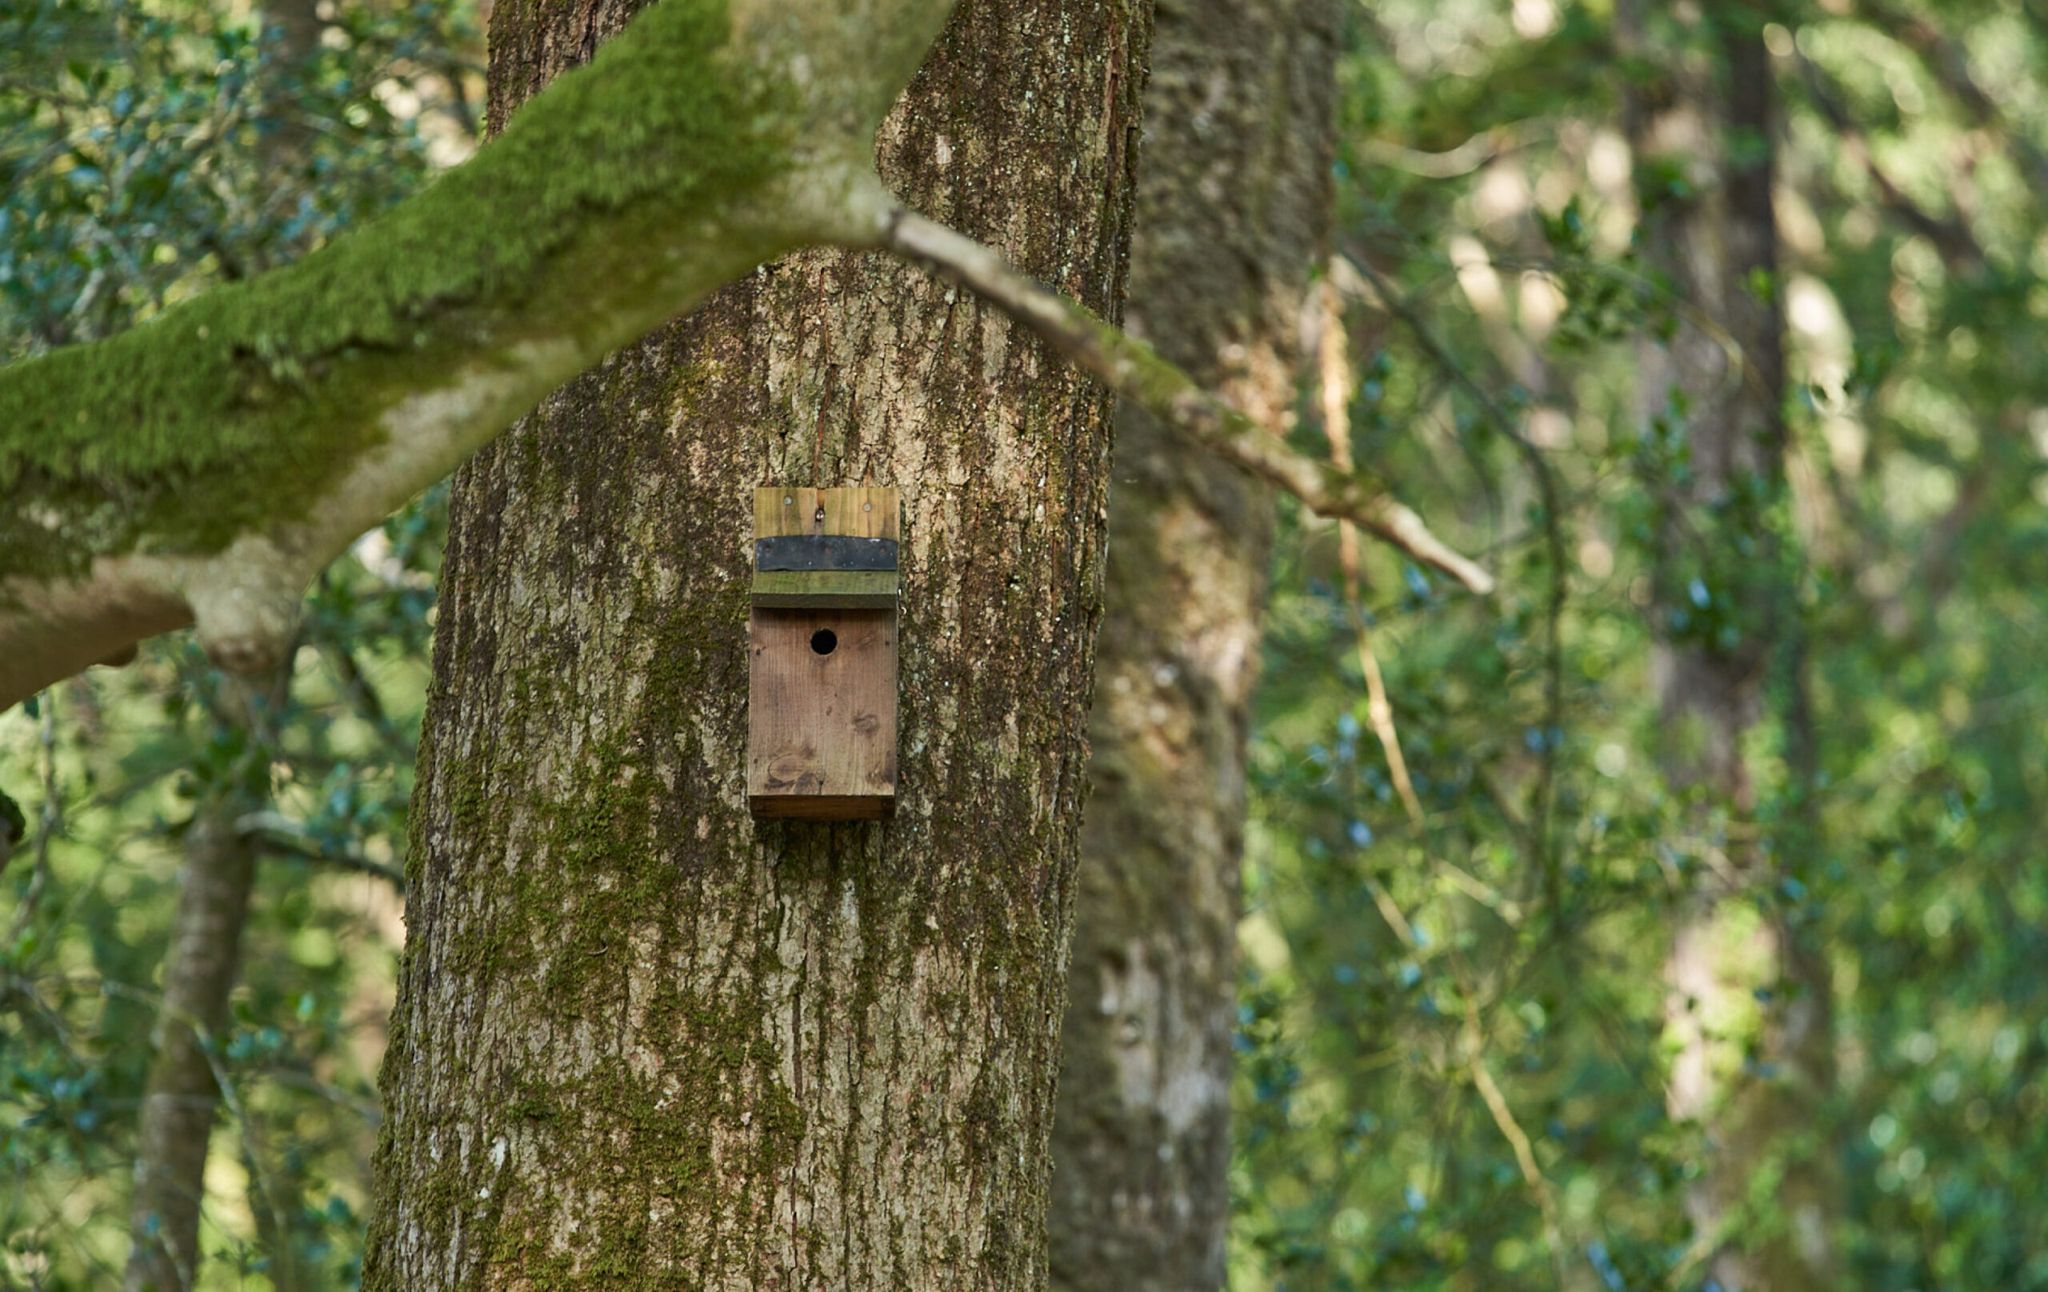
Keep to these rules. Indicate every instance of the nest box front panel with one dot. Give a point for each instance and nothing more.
(821, 693)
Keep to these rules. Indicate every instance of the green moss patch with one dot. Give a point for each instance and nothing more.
(221, 413)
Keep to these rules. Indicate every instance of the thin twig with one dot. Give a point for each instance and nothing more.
(245, 1129)
(277, 832)
(1508, 910)
(362, 693)
(1334, 369)
(1517, 1138)
(1391, 912)
(1134, 371)
(1541, 828)
(209, 1049)
(1951, 236)
(1949, 64)
(1480, 150)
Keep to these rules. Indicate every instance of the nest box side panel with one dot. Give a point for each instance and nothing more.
(821, 696)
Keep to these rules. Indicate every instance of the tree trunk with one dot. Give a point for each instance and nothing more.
(297, 28)
(642, 1040)
(1748, 1009)
(1233, 197)
(182, 1094)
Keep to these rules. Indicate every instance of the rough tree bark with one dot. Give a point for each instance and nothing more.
(1233, 197)
(1748, 1010)
(642, 1040)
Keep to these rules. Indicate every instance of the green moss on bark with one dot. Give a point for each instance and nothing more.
(215, 417)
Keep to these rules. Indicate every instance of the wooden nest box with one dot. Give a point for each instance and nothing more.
(821, 671)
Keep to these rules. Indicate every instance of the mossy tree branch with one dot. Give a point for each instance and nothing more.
(203, 467)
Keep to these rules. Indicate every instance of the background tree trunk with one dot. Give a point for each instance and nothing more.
(1233, 202)
(641, 1040)
(183, 1092)
(1748, 1012)
(297, 28)
(179, 1103)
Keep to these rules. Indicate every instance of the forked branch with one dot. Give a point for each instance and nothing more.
(1135, 372)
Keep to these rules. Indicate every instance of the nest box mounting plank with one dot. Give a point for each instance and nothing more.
(821, 676)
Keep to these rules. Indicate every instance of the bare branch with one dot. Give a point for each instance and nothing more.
(1135, 372)
(1552, 495)
(1950, 235)
(1518, 1140)
(279, 833)
(1482, 149)
(1949, 64)
(1333, 369)
(203, 468)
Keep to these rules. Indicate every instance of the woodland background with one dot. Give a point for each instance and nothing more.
(1476, 337)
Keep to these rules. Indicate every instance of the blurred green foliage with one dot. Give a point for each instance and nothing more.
(1513, 936)
(1484, 172)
